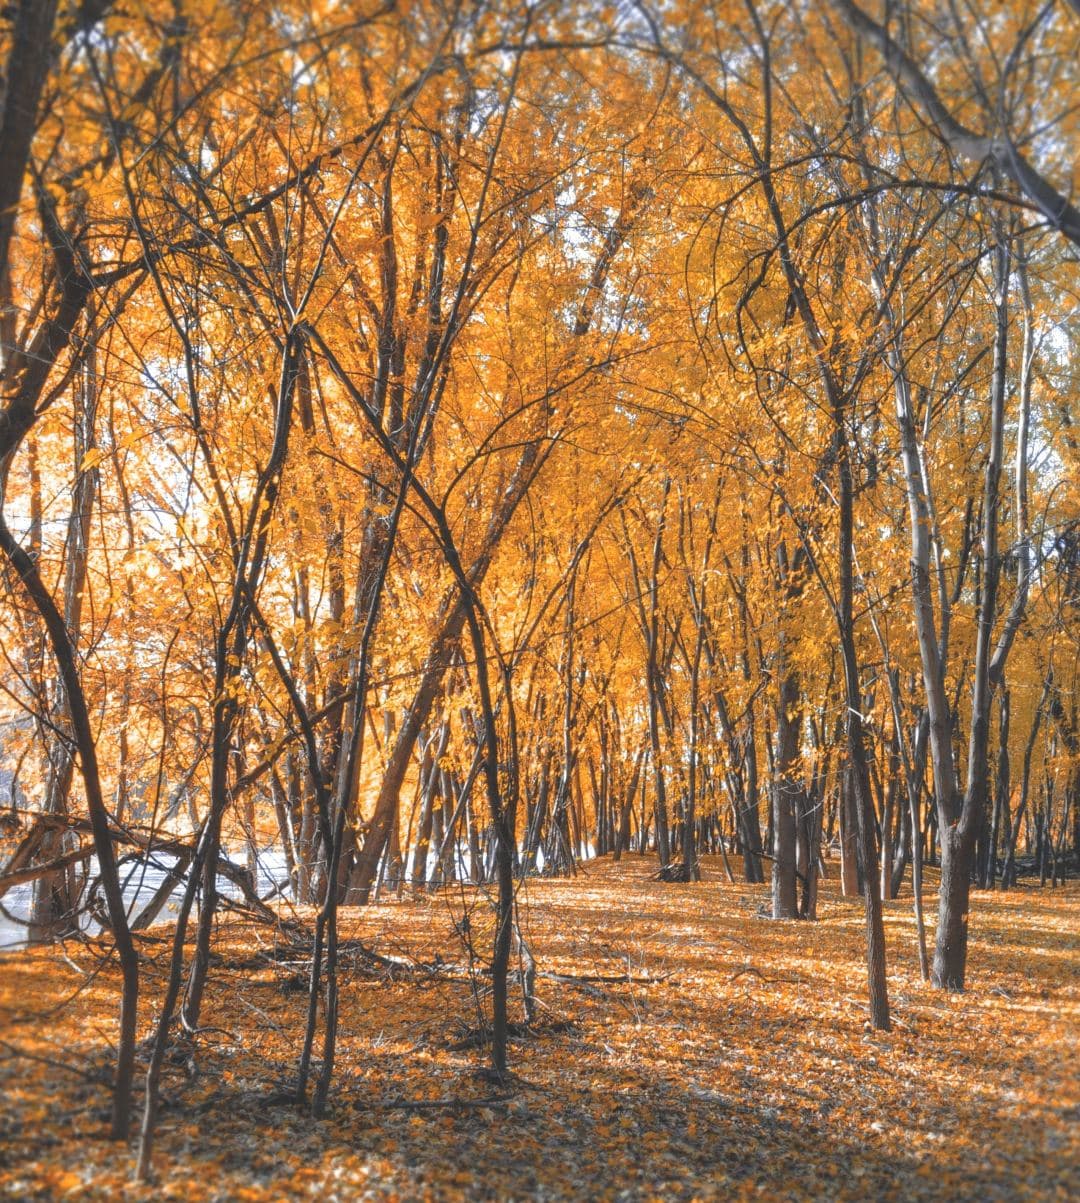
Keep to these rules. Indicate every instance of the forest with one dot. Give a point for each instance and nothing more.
(539, 599)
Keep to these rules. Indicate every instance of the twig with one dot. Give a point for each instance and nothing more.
(433, 1104)
(791, 981)
(15, 1053)
(609, 979)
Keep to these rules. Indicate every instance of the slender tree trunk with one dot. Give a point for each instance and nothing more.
(654, 684)
(856, 745)
(54, 899)
(1001, 817)
(958, 842)
(785, 904)
(82, 731)
(691, 869)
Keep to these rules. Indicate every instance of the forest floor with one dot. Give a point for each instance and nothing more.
(715, 1054)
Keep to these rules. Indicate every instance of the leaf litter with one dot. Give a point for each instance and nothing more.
(682, 1048)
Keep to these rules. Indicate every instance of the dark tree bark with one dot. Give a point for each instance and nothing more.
(785, 790)
(82, 731)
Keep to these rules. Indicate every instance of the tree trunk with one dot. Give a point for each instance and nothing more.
(950, 947)
(785, 904)
(66, 661)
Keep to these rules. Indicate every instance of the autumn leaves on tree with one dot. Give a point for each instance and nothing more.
(443, 443)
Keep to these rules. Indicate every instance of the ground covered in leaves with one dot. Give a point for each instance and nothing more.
(684, 1048)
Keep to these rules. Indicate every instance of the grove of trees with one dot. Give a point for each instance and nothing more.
(446, 441)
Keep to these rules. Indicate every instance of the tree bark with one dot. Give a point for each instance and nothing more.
(785, 789)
